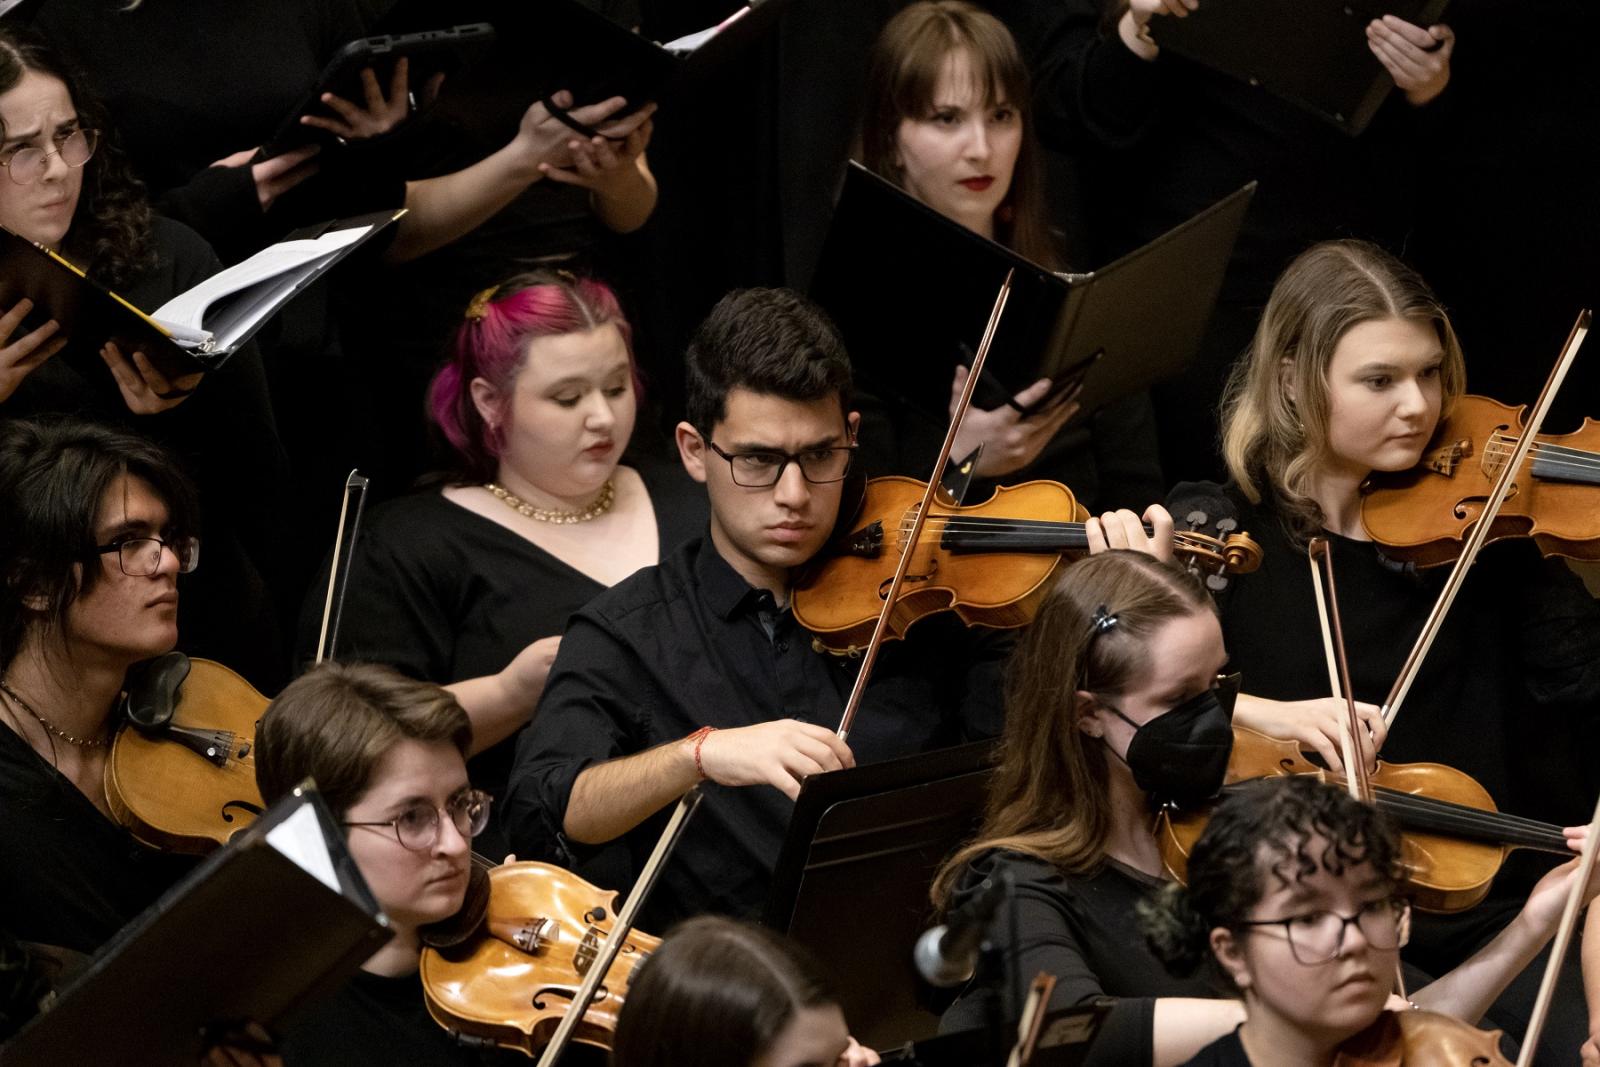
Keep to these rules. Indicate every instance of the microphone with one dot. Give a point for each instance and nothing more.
(946, 956)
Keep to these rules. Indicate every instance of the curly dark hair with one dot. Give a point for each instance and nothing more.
(1263, 828)
(110, 232)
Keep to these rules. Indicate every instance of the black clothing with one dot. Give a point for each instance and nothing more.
(1223, 1052)
(689, 643)
(377, 1019)
(227, 440)
(1082, 929)
(444, 594)
(1509, 693)
(73, 877)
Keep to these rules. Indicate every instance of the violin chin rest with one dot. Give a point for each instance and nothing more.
(448, 933)
(150, 694)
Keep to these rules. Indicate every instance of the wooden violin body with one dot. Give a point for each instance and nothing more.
(1424, 514)
(1453, 840)
(1422, 1039)
(182, 773)
(990, 563)
(514, 980)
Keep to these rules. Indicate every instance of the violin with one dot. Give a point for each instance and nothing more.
(181, 776)
(1423, 515)
(1453, 839)
(510, 984)
(1421, 1039)
(990, 563)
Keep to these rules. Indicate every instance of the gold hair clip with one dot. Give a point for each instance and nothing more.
(478, 306)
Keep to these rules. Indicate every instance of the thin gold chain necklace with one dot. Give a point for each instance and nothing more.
(596, 508)
(50, 727)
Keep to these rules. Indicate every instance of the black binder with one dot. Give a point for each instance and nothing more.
(911, 291)
(249, 935)
(1312, 53)
(874, 836)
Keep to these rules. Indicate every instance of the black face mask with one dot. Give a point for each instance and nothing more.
(1182, 755)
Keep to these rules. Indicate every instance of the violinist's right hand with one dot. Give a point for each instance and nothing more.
(1134, 25)
(781, 754)
(1010, 439)
(1316, 724)
(23, 356)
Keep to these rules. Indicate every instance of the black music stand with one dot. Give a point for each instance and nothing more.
(1064, 1040)
(851, 883)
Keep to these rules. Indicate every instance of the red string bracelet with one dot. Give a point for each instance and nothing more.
(699, 738)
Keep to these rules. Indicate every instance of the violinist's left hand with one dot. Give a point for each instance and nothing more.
(1124, 529)
(144, 389)
(1549, 897)
(857, 1056)
(1417, 59)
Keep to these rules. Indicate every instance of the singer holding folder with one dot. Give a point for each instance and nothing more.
(946, 116)
(1114, 703)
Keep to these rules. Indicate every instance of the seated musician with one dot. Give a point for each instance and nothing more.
(388, 754)
(734, 994)
(1296, 899)
(1113, 704)
(1352, 368)
(695, 669)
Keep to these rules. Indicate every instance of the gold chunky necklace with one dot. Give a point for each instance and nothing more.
(50, 727)
(597, 507)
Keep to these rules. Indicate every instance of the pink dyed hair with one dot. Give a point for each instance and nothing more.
(495, 346)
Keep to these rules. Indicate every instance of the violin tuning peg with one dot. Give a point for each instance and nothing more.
(1196, 519)
(1227, 526)
(1216, 582)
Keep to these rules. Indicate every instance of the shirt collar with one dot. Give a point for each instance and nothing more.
(725, 590)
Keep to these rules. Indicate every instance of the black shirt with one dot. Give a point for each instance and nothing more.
(689, 643)
(377, 1019)
(1223, 1052)
(72, 877)
(1084, 930)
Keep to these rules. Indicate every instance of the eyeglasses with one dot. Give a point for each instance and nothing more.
(27, 165)
(417, 828)
(1317, 937)
(140, 557)
(760, 470)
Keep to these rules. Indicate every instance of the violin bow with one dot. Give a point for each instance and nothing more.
(344, 548)
(1563, 941)
(1032, 1021)
(1355, 768)
(612, 943)
(1480, 529)
(880, 629)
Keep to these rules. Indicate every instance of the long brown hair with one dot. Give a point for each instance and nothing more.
(906, 64)
(1050, 796)
(1275, 411)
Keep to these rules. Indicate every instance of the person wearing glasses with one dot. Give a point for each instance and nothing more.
(388, 754)
(470, 581)
(95, 527)
(66, 187)
(1114, 705)
(695, 670)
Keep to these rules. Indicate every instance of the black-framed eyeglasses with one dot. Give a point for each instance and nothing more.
(417, 827)
(140, 557)
(762, 469)
(28, 164)
(1317, 937)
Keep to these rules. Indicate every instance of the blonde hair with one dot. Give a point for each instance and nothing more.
(1275, 408)
(1050, 796)
(903, 74)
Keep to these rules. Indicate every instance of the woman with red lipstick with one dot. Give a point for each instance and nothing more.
(389, 757)
(946, 118)
(538, 515)
(1352, 366)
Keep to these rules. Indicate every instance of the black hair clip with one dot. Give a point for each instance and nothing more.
(1104, 621)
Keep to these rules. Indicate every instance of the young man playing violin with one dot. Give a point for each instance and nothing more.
(695, 670)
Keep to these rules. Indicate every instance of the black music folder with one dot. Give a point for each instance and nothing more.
(545, 46)
(198, 329)
(862, 849)
(1312, 53)
(265, 924)
(911, 292)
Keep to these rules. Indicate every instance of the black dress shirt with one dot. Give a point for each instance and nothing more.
(689, 643)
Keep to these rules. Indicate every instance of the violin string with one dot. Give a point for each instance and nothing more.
(1501, 446)
(1498, 817)
(1446, 816)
